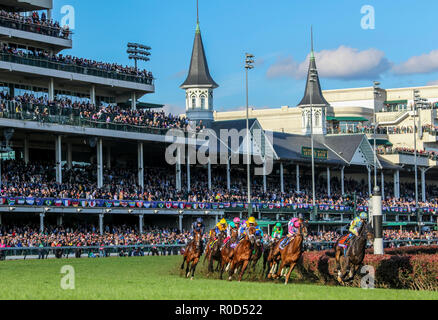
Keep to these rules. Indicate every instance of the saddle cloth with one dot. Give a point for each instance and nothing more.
(285, 242)
(344, 241)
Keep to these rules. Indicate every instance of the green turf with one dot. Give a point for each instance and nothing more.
(158, 278)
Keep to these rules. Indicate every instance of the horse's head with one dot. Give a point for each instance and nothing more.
(197, 237)
(303, 228)
(251, 234)
(369, 232)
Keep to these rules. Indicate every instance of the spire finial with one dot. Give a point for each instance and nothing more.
(197, 12)
(312, 55)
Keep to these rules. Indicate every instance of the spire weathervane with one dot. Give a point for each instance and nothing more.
(312, 55)
(197, 11)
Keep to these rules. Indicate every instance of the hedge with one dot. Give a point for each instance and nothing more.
(407, 271)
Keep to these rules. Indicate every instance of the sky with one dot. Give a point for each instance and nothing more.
(355, 42)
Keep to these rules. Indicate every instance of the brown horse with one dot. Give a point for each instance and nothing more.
(354, 255)
(291, 254)
(256, 254)
(192, 254)
(242, 253)
(228, 250)
(268, 256)
(213, 251)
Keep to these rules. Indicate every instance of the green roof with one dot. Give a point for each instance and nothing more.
(381, 142)
(346, 119)
(396, 102)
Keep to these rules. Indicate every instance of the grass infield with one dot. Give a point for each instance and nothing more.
(160, 278)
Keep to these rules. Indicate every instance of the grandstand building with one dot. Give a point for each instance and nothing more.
(82, 116)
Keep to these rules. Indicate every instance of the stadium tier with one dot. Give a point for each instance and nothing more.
(78, 145)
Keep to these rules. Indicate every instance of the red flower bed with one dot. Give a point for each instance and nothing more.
(409, 250)
(406, 271)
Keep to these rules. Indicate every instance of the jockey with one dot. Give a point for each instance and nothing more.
(198, 226)
(231, 226)
(356, 224)
(292, 228)
(253, 223)
(221, 226)
(277, 231)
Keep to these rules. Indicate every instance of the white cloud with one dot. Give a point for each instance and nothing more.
(342, 63)
(426, 63)
(432, 83)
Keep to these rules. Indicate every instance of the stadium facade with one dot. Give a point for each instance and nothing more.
(66, 138)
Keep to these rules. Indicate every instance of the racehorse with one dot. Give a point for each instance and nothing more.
(192, 254)
(242, 253)
(228, 250)
(213, 251)
(291, 254)
(355, 253)
(256, 254)
(268, 260)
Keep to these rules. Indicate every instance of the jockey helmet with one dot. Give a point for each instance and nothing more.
(295, 222)
(232, 225)
(251, 220)
(236, 220)
(363, 216)
(199, 220)
(223, 221)
(278, 225)
(300, 216)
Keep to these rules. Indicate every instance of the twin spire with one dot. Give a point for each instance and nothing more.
(199, 74)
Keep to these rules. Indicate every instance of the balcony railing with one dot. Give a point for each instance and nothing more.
(41, 62)
(35, 28)
(65, 116)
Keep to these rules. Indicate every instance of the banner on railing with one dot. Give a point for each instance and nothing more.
(178, 205)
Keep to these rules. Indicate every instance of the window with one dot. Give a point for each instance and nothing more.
(316, 119)
(193, 102)
(202, 102)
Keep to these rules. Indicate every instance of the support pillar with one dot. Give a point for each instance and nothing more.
(178, 170)
(58, 159)
(26, 149)
(69, 156)
(140, 165)
(216, 220)
(93, 94)
(298, 178)
(59, 220)
(99, 163)
(329, 191)
(369, 181)
(140, 223)
(180, 223)
(134, 101)
(264, 177)
(423, 184)
(209, 175)
(188, 172)
(342, 181)
(108, 157)
(397, 184)
(382, 175)
(281, 177)
(51, 89)
(228, 175)
(101, 215)
(42, 215)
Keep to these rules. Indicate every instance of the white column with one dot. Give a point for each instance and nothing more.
(140, 165)
(180, 218)
(58, 159)
(298, 177)
(59, 220)
(26, 149)
(93, 94)
(99, 163)
(51, 89)
(140, 223)
(188, 172)
(382, 175)
(133, 101)
(101, 215)
(423, 184)
(108, 157)
(369, 181)
(281, 178)
(42, 215)
(228, 174)
(329, 190)
(209, 175)
(264, 177)
(69, 155)
(178, 170)
(397, 184)
(342, 181)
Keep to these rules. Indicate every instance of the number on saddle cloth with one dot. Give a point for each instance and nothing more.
(344, 242)
(285, 242)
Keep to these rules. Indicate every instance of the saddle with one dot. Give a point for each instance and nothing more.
(284, 243)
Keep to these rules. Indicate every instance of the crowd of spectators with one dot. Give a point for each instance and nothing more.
(69, 60)
(41, 108)
(38, 180)
(403, 150)
(34, 23)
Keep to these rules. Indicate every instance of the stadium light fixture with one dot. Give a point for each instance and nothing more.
(377, 89)
(78, 210)
(156, 211)
(138, 52)
(47, 209)
(107, 210)
(249, 60)
(11, 208)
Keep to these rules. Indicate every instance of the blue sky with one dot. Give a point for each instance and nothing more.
(399, 52)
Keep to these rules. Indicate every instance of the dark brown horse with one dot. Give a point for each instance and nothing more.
(291, 254)
(268, 256)
(228, 250)
(192, 254)
(256, 253)
(242, 253)
(213, 251)
(354, 255)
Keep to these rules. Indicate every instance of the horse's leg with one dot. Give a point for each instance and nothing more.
(184, 260)
(338, 264)
(222, 268)
(347, 268)
(292, 266)
(245, 264)
(194, 264)
(279, 270)
(231, 271)
(188, 268)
